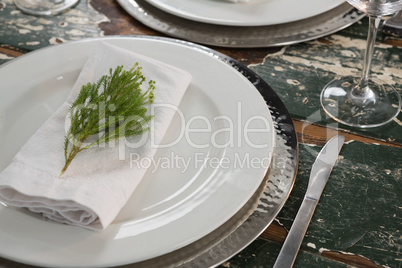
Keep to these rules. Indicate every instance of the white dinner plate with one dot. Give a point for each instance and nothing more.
(252, 13)
(224, 132)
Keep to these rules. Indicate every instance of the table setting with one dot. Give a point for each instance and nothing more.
(240, 155)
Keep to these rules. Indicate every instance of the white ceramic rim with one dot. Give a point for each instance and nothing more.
(252, 13)
(57, 244)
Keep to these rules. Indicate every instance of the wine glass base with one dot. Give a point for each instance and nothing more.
(44, 7)
(381, 105)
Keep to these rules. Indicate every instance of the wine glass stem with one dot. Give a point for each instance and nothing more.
(362, 88)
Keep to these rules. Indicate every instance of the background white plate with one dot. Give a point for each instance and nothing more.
(172, 207)
(252, 13)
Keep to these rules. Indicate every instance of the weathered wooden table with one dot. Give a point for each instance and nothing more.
(358, 219)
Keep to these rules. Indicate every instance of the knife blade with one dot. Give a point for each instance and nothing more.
(319, 174)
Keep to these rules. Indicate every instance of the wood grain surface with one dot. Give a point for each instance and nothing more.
(374, 155)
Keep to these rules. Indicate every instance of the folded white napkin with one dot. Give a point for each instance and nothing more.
(99, 181)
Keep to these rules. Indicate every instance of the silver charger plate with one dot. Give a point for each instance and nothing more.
(261, 209)
(230, 36)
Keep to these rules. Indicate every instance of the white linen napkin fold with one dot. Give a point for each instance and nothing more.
(99, 181)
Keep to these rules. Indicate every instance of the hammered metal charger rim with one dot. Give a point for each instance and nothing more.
(233, 36)
(260, 211)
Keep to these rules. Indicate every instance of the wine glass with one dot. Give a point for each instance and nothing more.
(363, 102)
(44, 7)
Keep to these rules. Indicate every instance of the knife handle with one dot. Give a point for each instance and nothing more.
(293, 241)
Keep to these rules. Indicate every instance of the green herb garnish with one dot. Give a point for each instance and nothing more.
(112, 108)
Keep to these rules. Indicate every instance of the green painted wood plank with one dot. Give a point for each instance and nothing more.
(4, 58)
(32, 32)
(359, 212)
(299, 72)
(262, 254)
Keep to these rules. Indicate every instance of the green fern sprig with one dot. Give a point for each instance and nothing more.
(112, 108)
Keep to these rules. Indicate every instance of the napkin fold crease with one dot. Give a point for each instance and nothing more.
(99, 181)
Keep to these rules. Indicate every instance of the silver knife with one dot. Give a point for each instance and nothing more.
(320, 171)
